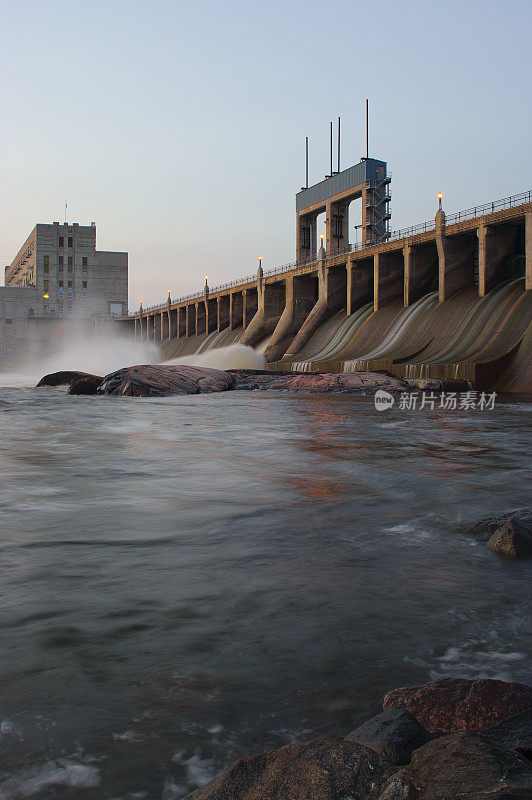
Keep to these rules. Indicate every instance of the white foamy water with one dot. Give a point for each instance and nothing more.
(34, 780)
(102, 353)
(236, 356)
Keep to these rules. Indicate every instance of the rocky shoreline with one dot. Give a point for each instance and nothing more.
(160, 380)
(449, 739)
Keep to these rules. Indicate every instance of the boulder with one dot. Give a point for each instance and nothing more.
(341, 382)
(394, 734)
(486, 527)
(87, 385)
(399, 787)
(324, 769)
(514, 732)
(512, 539)
(66, 377)
(448, 705)
(465, 766)
(158, 380)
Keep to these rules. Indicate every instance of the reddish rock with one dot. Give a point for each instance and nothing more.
(324, 769)
(465, 766)
(342, 382)
(158, 380)
(448, 705)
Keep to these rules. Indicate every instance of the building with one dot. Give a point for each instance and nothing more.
(58, 275)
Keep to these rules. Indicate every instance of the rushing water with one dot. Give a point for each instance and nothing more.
(188, 580)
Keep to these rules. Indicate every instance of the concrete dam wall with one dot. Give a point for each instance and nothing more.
(449, 299)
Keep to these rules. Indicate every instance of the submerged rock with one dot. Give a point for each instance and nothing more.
(158, 380)
(485, 528)
(324, 769)
(66, 377)
(512, 539)
(467, 767)
(394, 734)
(448, 705)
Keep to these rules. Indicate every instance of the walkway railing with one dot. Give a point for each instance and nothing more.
(403, 233)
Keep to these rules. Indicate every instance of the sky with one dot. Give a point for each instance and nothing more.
(179, 127)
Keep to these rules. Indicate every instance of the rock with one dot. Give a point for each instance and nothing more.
(394, 734)
(514, 732)
(158, 380)
(425, 384)
(484, 529)
(87, 385)
(456, 704)
(512, 539)
(324, 769)
(341, 382)
(399, 787)
(467, 767)
(66, 377)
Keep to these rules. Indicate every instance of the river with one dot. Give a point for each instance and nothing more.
(188, 580)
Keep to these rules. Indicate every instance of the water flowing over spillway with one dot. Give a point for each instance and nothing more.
(481, 339)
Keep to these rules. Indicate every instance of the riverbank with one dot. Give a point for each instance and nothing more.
(449, 739)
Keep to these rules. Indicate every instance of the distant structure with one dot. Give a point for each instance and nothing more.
(58, 276)
(368, 180)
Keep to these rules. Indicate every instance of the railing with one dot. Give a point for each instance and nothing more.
(403, 233)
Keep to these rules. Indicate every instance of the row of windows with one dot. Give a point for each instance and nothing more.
(60, 310)
(61, 289)
(62, 241)
(61, 262)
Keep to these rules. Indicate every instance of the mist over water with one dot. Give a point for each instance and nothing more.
(235, 356)
(188, 580)
(105, 352)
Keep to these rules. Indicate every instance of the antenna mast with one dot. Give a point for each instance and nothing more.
(338, 144)
(367, 128)
(331, 148)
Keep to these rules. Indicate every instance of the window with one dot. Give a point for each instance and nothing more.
(84, 290)
(70, 241)
(70, 290)
(69, 310)
(60, 290)
(61, 262)
(46, 292)
(115, 309)
(61, 241)
(70, 263)
(46, 309)
(60, 309)
(85, 260)
(46, 264)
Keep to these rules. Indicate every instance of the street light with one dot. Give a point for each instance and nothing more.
(440, 198)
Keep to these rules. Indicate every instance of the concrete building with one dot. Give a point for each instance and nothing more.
(58, 275)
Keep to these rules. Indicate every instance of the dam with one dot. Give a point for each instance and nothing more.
(448, 298)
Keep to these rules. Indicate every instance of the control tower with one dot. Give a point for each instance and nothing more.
(367, 180)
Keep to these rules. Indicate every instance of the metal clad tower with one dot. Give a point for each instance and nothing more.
(367, 180)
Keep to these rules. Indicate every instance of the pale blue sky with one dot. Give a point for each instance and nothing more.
(179, 127)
